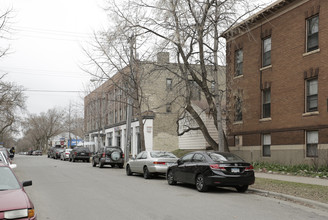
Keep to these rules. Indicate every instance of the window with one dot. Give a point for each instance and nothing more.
(187, 158)
(266, 145)
(198, 158)
(168, 107)
(266, 106)
(312, 40)
(266, 56)
(168, 84)
(239, 62)
(312, 140)
(238, 109)
(194, 90)
(312, 95)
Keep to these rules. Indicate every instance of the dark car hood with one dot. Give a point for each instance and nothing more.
(14, 199)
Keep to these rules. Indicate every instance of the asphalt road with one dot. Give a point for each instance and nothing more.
(68, 191)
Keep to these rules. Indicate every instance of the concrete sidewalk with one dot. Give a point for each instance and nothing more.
(296, 179)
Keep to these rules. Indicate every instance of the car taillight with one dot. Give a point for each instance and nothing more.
(250, 168)
(104, 155)
(75, 153)
(156, 162)
(122, 155)
(217, 167)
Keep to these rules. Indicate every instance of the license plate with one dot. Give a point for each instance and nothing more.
(235, 170)
(82, 153)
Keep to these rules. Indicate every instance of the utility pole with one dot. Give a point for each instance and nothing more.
(129, 105)
(218, 96)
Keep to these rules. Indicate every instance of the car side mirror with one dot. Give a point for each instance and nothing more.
(27, 183)
(180, 162)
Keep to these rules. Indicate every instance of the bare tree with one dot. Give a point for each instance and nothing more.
(12, 100)
(113, 58)
(191, 30)
(40, 128)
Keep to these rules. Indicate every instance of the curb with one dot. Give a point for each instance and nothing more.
(302, 201)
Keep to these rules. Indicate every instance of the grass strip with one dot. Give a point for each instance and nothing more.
(306, 191)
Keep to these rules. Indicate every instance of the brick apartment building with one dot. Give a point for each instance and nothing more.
(277, 84)
(105, 110)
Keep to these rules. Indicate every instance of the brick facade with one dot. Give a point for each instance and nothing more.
(291, 68)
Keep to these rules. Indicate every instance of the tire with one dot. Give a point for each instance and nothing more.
(128, 171)
(94, 164)
(200, 183)
(170, 178)
(73, 160)
(88, 160)
(115, 155)
(242, 188)
(121, 165)
(146, 173)
(101, 165)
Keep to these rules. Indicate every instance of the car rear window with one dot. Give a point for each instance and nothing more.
(219, 157)
(111, 149)
(161, 154)
(8, 180)
(85, 149)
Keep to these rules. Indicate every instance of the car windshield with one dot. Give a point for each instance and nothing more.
(219, 157)
(161, 154)
(8, 180)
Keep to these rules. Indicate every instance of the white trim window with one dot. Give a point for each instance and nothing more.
(312, 95)
(312, 140)
(312, 33)
(266, 145)
(266, 56)
(239, 57)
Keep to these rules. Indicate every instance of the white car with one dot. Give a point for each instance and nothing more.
(65, 154)
(150, 163)
(5, 160)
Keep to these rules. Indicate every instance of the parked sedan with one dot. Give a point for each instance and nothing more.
(206, 169)
(108, 155)
(14, 202)
(80, 153)
(65, 154)
(150, 163)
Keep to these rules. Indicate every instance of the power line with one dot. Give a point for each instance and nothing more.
(52, 91)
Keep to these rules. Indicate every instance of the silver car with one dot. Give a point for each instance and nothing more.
(65, 154)
(150, 163)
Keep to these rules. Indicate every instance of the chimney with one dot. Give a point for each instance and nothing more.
(163, 57)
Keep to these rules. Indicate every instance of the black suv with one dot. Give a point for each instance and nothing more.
(80, 153)
(108, 155)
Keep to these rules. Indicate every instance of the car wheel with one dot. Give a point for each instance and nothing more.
(94, 163)
(200, 183)
(128, 171)
(170, 178)
(121, 165)
(73, 160)
(146, 173)
(101, 165)
(88, 160)
(242, 188)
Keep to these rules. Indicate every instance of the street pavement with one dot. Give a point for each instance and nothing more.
(68, 191)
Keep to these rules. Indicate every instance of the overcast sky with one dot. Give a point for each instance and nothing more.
(46, 55)
(46, 38)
